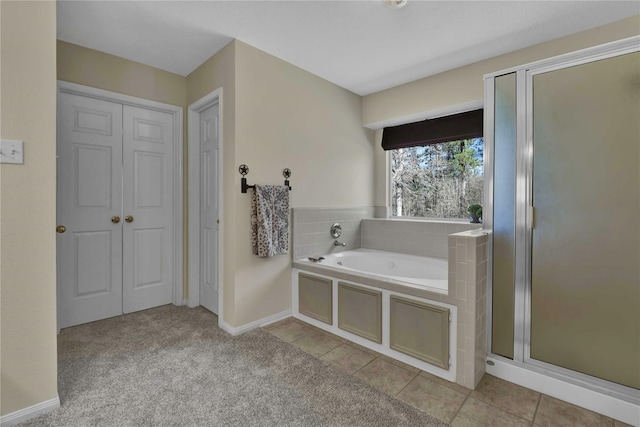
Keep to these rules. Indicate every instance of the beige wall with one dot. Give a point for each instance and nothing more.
(88, 67)
(219, 72)
(28, 206)
(465, 84)
(289, 118)
(277, 116)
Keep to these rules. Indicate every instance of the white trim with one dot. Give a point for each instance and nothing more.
(592, 400)
(255, 324)
(590, 54)
(30, 412)
(488, 163)
(431, 114)
(520, 224)
(176, 111)
(194, 111)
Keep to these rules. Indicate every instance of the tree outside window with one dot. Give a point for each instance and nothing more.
(437, 181)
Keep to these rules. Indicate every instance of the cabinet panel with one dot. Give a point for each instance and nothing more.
(360, 311)
(420, 330)
(315, 297)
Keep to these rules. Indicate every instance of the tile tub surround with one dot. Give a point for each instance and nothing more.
(410, 236)
(467, 291)
(311, 229)
(468, 260)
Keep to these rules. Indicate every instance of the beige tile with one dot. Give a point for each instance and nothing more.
(290, 331)
(438, 400)
(385, 376)
(556, 413)
(475, 413)
(401, 364)
(278, 323)
(316, 344)
(347, 358)
(363, 348)
(617, 423)
(442, 381)
(314, 330)
(512, 398)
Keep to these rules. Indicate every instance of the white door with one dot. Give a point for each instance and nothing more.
(115, 196)
(209, 208)
(148, 212)
(89, 252)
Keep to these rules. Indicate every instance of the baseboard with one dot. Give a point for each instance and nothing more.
(30, 412)
(255, 324)
(610, 406)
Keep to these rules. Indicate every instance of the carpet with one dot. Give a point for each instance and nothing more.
(172, 366)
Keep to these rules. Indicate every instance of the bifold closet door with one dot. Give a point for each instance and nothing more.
(89, 206)
(115, 209)
(585, 274)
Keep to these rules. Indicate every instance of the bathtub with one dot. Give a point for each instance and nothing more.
(423, 272)
(384, 301)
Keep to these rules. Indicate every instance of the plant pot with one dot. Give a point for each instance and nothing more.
(474, 219)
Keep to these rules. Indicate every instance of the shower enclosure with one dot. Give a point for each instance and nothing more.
(562, 181)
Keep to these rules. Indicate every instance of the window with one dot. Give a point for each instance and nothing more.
(436, 165)
(438, 180)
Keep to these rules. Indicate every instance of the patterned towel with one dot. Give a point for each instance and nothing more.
(269, 220)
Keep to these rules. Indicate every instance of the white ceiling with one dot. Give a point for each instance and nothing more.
(363, 46)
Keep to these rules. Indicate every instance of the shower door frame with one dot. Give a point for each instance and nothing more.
(524, 212)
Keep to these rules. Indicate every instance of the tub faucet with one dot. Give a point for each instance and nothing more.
(339, 243)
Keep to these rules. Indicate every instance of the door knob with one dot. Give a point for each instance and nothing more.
(115, 219)
(128, 218)
(61, 229)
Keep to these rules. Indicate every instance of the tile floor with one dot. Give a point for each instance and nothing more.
(494, 402)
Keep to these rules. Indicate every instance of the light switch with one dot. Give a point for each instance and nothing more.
(11, 151)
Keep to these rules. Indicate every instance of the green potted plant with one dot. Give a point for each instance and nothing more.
(475, 212)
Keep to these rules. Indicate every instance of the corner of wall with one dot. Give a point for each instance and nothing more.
(28, 198)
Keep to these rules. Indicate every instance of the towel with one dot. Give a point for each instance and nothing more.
(269, 220)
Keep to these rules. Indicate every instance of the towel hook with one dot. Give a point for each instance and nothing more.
(286, 172)
(244, 170)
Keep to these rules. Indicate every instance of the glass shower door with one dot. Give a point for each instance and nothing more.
(585, 241)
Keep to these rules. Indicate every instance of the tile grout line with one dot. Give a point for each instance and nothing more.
(535, 413)
(458, 411)
(406, 385)
(365, 365)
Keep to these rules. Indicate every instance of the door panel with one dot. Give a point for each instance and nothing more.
(586, 241)
(93, 252)
(89, 178)
(504, 213)
(147, 253)
(148, 238)
(209, 209)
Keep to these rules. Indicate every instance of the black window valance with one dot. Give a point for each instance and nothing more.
(434, 131)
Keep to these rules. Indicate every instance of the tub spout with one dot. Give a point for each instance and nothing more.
(339, 243)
